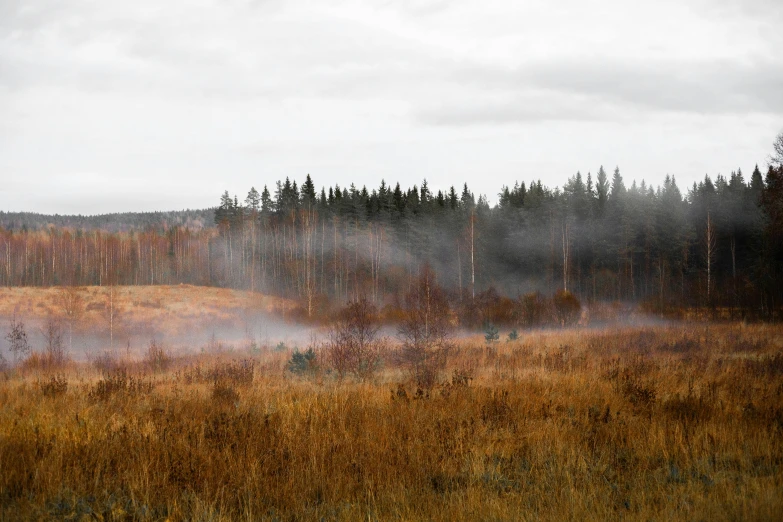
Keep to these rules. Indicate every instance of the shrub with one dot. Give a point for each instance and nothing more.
(238, 373)
(156, 357)
(513, 336)
(119, 383)
(638, 393)
(535, 310)
(55, 386)
(567, 307)
(461, 377)
(17, 339)
(106, 363)
(496, 309)
(54, 355)
(354, 346)
(425, 332)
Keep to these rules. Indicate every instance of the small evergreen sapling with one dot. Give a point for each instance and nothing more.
(491, 333)
(302, 363)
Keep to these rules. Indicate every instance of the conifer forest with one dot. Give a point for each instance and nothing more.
(715, 245)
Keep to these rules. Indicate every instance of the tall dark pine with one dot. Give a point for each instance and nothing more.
(308, 194)
(772, 206)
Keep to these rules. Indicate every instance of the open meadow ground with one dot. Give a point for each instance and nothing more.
(182, 316)
(667, 423)
(172, 309)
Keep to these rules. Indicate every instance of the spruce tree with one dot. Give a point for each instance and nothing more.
(601, 191)
(267, 205)
(308, 195)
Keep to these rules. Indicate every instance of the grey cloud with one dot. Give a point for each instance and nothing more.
(248, 55)
(588, 89)
(19, 18)
(769, 10)
(702, 87)
(347, 88)
(419, 7)
(521, 109)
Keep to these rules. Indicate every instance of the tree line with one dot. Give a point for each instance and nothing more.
(717, 245)
(116, 222)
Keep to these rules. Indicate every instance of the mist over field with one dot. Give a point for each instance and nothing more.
(715, 247)
(378, 260)
(279, 267)
(184, 319)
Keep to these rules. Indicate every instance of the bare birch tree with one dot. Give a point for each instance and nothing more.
(53, 336)
(709, 254)
(71, 304)
(566, 251)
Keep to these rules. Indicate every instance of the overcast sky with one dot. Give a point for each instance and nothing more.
(112, 106)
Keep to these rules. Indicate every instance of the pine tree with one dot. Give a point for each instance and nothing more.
(308, 195)
(601, 191)
(589, 187)
(756, 185)
(267, 205)
(618, 187)
(399, 203)
(453, 199)
(425, 193)
(253, 201)
(467, 200)
(223, 213)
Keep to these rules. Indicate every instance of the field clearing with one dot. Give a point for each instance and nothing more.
(667, 423)
(173, 311)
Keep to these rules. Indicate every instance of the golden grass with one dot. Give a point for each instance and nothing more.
(169, 309)
(668, 423)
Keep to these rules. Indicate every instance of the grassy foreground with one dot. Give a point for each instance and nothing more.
(665, 423)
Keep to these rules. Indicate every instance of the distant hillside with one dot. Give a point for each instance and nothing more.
(121, 222)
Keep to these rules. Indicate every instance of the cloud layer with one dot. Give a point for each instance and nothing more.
(110, 106)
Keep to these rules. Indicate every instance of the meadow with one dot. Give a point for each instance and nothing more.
(671, 422)
(140, 312)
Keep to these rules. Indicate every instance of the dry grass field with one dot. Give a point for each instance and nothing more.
(172, 310)
(668, 423)
(127, 317)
